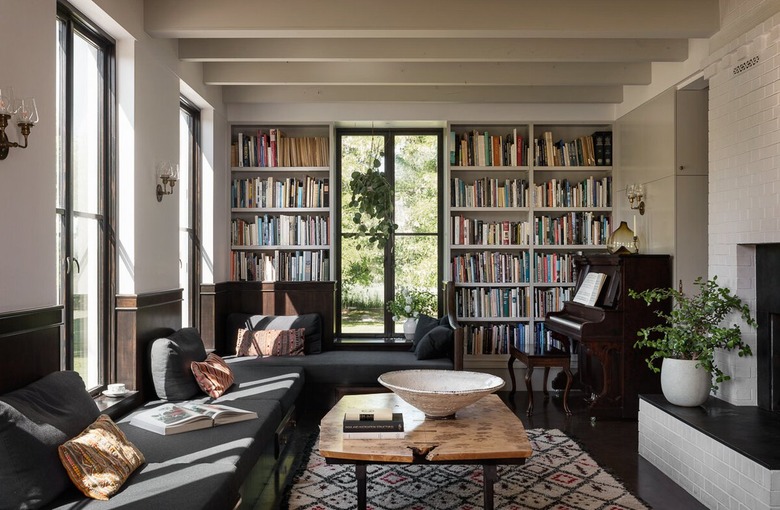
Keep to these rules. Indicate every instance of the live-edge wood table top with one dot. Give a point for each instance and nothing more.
(484, 431)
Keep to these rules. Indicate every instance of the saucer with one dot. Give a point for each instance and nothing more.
(111, 394)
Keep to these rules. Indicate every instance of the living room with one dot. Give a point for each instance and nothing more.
(163, 52)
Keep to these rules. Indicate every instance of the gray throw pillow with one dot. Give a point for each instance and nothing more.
(425, 323)
(437, 343)
(34, 421)
(171, 360)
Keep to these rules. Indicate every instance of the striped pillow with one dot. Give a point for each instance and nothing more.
(100, 459)
(270, 342)
(213, 375)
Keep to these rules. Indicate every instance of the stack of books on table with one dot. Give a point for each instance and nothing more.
(373, 424)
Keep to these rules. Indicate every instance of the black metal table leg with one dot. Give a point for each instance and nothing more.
(490, 478)
(360, 475)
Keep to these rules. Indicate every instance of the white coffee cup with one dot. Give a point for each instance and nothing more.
(116, 388)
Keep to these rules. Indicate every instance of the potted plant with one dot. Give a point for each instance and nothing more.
(410, 303)
(687, 338)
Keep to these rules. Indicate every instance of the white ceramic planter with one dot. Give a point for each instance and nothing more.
(409, 327)
(683, 384)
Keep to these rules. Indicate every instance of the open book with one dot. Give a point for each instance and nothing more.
(590, 289)
(185, 416)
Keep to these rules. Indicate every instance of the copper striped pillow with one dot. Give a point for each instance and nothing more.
(270, 342)
(100, 459)
(213, 375)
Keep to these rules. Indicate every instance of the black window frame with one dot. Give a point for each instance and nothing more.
(194, 231)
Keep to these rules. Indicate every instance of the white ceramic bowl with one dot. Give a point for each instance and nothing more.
(440, 393)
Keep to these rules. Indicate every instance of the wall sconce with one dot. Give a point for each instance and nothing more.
(168, 173)
(26, 116)
(636, 194)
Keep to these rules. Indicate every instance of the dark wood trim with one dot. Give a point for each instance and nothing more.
(141, 318)
(31, 342)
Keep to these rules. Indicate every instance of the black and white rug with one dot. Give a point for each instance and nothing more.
(559, 476)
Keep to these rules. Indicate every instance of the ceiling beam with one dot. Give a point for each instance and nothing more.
(432, 18)
(433, 50)
(419, 73)
(427, 94)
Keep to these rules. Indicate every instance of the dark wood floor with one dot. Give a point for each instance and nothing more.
(612, 443)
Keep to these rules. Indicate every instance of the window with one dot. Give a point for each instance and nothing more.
(371, 276)
(85, 132)
(189, 218)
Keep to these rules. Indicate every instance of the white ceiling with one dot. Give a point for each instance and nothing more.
(464, 51)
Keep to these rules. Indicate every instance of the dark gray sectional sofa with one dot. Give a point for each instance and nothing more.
(202, 469)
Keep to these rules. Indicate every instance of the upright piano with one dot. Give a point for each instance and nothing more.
(610, 370)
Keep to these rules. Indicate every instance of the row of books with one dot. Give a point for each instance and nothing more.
(487, 192)
(589, 150)
(494, 338)
(541, 342)
(373, 424)
(491, 267)
(590, 192)
(466, 231)
(303, 266)
(274, 149)
(550, 300)
(266, 192)
(473, 148)
(553, 268)
(575, 228)
(285, 230)
(479, 302)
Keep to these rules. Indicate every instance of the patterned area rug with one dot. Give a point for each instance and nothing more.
(559, 476)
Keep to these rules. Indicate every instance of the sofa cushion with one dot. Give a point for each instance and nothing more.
(425, 323)
(34, 421)
(100, 459)
(270, 342)
(171, 360)
(260, 381)
(213, 375)
(437, 343)
(310, 322)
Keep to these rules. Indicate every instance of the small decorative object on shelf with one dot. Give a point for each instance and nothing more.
(623, 240)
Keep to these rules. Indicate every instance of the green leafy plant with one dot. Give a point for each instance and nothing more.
(693, 329)
(411, 303)
(372, 195)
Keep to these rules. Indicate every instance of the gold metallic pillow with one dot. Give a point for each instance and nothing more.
(100, 459)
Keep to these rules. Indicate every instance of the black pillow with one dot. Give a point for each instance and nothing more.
(34, 421)
(437, 343)
(425, 323)
(171, 360)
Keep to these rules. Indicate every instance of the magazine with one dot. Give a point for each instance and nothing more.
(185, 416)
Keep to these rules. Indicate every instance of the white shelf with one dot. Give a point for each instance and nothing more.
(490, 209)
(264, 210)
(490, 168)
(279, 169)
(282, 247)
(572, 209)
(468, 285)
(490, 247)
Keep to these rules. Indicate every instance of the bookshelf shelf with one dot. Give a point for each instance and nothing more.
(280, 204)
(540, 189)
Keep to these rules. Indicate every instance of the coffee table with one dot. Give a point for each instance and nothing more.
(486, 433)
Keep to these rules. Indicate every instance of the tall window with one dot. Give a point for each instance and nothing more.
(84, 73)
(371, 276)
(189, 219)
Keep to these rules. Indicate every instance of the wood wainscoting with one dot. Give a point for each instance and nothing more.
(31, 343)
(141, 318)
(265, 298)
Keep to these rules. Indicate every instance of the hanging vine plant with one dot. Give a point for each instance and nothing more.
(372, 195)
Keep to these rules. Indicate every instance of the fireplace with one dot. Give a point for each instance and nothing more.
(768, 333)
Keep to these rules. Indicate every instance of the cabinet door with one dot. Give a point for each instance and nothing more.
(692, 132)
(691, 254)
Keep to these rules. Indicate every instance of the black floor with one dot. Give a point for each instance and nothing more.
(612, 443)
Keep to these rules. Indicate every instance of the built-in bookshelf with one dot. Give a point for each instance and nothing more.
(523, 199)
(280, 203)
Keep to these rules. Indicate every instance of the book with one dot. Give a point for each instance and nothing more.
(396, 424)
(590, 289)
(368, 414)
(186, 416)
(374, 435)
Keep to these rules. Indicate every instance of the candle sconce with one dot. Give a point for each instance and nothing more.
(168, 174)
(26, 113)
(636, 195)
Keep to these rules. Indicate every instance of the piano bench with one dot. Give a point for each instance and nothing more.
(547, 360)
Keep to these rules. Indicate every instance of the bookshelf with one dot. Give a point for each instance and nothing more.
(523, 198)
(280, 203)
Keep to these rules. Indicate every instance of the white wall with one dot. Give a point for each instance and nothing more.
(27, 185)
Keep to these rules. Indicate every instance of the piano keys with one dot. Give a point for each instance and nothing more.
(610, 370)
